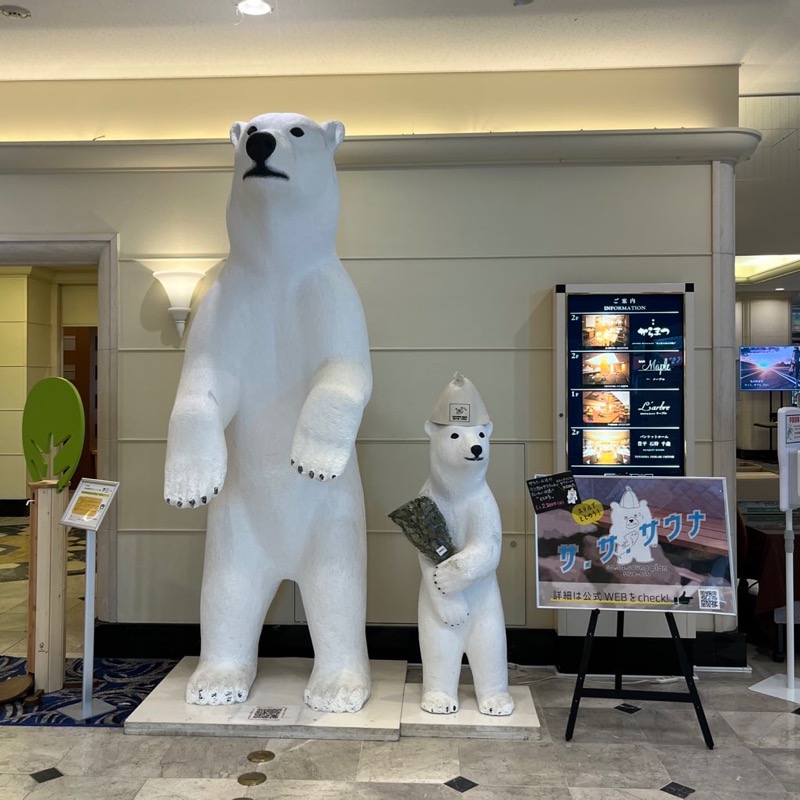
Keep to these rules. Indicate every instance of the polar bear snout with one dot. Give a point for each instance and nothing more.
(476, 451)
(259, 147)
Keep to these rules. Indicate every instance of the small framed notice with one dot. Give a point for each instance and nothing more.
(89, 504)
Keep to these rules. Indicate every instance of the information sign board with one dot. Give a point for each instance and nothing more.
(625, 376)
(89, 504)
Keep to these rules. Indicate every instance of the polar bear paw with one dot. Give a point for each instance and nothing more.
(219, 684)
(497, 705)
(453, 609)
(438, 703)
(194, 473)
(339, 692)
(319, 461)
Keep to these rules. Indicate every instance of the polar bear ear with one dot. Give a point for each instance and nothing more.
(430, 428)
(236, 132)
(488, 428)
(334, 134)
(614, 505)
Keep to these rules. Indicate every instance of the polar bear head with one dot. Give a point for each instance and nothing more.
(285, 156)
(459, 453)
(459, 429)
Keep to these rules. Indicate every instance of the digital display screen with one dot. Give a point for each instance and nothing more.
(625, 384)
(769, 369)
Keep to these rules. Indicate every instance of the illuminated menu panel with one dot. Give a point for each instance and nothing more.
(625, 384)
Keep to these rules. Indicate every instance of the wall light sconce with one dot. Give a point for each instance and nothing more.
(254, 8)
(179, 287)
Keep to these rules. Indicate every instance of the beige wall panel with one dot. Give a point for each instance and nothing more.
(36, 374)
(79, 305)
(511, 577)
(498, 302)
(13, 303)
(704, 459)
(140, 501)
(159, 214)
(13, 477)
(39, 302)
(159, 576)
(11, 432)
(770, 321)
(537, 617)
(12, 344)
(147, 386)
(39, 354)
(703, 393)
(522, 211)
(392, 473)
(13, 387)
(165, 587)
(516, 387)
(393, 579)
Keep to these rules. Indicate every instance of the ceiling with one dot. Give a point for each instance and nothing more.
(102, 39)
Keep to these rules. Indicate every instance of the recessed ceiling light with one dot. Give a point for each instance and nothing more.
(254, 8)
(780, 289)
(16, 12)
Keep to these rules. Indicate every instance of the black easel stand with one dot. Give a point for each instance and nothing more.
(618, 693)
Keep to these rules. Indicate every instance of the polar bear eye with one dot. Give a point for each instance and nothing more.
(298, 132)
(482, 435)
(454, 436)
(251, 129)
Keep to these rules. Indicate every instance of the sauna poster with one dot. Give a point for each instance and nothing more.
(637, 544)
(625, 384)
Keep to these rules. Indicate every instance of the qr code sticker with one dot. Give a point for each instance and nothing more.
(709, 599)
(267, 713)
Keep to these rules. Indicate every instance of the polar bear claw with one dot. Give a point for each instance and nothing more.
(438, 703)
(219, 684)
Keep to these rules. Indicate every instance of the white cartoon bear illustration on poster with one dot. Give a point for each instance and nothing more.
(460, 610)
(275, 379)
(627, 517)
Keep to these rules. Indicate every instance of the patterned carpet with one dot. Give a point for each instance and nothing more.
(15, 550)
(122, 682)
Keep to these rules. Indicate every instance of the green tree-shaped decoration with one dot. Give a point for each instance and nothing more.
(53, 418)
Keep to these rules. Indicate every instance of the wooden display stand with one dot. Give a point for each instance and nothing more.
(47, 587)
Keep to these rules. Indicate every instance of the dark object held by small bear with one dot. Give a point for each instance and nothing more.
(425, 527)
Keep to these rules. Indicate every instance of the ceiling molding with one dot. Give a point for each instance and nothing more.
(691, 145)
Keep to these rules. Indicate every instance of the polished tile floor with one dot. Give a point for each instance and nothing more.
(613, 756)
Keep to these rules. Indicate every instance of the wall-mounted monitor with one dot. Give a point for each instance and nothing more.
(769, 369)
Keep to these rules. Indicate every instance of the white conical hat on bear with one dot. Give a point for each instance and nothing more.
(629, 499)
(460, 404)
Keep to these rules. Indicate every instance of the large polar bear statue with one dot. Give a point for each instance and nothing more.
(275, 379)
(460, 610)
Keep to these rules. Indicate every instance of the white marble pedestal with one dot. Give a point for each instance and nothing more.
(275, 706)
(468, 722)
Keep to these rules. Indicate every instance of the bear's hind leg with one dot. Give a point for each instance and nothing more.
(235, 596)
(442, 647)
(488, 656)
(333, 594)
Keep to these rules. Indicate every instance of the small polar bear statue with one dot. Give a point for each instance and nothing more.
(275, 379)
(460, 610)
(627, 517)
